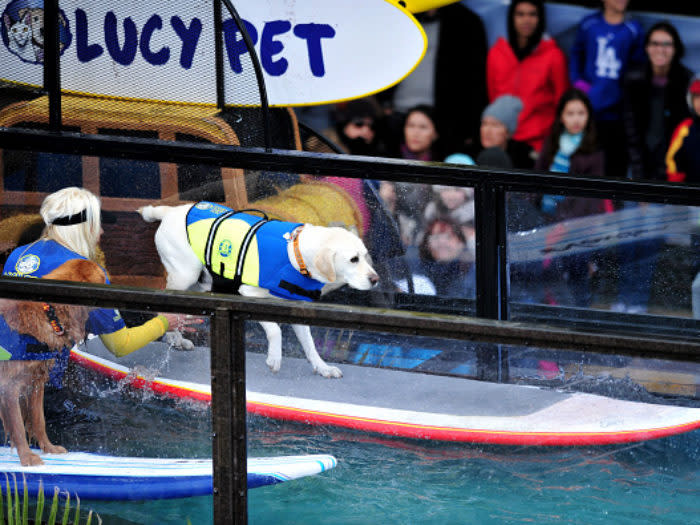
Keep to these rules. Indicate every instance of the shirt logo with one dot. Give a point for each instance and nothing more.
(225, 248)
(607, 64)
(27, 264)
(203, 205)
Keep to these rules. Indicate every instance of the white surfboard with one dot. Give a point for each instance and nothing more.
(94, 476)
(406, 404)
(312, 52)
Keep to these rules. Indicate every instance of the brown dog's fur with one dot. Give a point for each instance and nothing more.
(22, 382)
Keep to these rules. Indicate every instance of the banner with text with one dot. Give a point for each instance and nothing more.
(311, 52)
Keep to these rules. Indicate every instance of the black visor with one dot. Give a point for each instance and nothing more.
(80, 217)
(69, 220)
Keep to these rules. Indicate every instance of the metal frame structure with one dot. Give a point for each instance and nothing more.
(228, 314)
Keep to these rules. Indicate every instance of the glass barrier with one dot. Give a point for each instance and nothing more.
(409, 422)
(622, 257)
(400, 397)
(92, 390)
(420, 238)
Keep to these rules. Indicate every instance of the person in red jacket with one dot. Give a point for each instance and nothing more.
(531, 66)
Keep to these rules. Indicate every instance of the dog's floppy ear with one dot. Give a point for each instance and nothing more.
(324, 263)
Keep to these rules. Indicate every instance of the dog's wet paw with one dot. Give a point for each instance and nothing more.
(274, 364)
(177, 341)
(331, 372)
(54, 449)
(30, 460)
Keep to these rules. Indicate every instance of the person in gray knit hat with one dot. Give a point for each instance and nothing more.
(498, 124)
(506, 109)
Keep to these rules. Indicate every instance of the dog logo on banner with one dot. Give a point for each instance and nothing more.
(22, 30)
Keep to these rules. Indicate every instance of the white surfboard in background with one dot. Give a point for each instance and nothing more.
(311, 52)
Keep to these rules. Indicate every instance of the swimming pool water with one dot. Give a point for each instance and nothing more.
(391, 481)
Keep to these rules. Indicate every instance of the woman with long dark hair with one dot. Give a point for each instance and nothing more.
(654, 104)
(529, 65)
(654, 101)
(571, 147)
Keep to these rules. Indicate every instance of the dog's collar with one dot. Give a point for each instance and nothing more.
(297, 252)
(53, 319)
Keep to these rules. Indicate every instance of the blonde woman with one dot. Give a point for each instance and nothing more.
(73, 229)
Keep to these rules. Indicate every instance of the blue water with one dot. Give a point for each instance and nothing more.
(387, 480)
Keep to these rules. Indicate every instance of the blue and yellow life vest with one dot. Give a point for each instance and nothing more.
(35, 261)
(248, 249)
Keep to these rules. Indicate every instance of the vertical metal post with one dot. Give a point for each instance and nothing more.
(52, 62)
(238, 423)
(257, 68)
(487, 218)
(491, 298)
(229, 419)
(502, 236)
(219, 54)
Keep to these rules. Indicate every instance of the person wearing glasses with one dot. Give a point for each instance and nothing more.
(654, 104)
(357, 127)
(654, 101)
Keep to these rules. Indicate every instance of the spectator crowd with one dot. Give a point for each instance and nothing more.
(621, 104)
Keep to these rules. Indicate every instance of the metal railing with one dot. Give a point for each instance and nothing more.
(228, 314)
(490, 185)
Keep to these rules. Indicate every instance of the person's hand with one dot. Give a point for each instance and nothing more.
(182, 322)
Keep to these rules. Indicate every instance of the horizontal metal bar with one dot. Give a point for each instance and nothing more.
(345, 166)
(370, 319)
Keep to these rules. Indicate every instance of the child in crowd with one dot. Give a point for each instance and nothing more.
(457, 204)
(529, 65)
(683, 157)
(499, 122)
(606, 44)
(454, 202)
(444, 258)
(571, 148)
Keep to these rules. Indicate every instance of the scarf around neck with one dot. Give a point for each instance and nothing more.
(568, 144)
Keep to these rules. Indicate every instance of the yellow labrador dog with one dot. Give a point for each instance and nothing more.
(255, 257)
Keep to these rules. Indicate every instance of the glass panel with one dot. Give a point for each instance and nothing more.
(111, 401)
(401, 404)
(29, 171)
(128, 178)
(598, 254)
(424, 243)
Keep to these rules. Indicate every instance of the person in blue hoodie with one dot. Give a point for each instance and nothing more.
(607, 43)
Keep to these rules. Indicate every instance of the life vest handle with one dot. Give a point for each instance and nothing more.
(254, 210)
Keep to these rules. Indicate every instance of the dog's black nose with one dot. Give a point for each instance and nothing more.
(374, 279)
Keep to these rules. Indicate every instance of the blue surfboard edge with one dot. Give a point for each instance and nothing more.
(262, 471)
